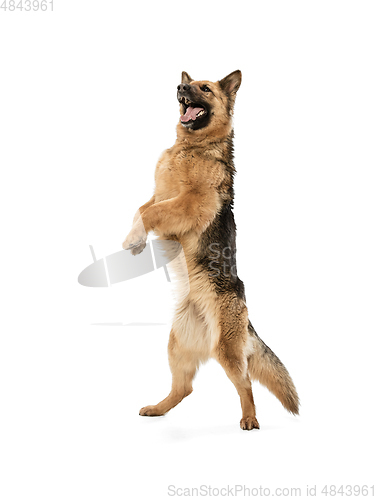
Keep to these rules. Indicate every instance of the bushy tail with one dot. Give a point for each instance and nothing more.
(267, 368)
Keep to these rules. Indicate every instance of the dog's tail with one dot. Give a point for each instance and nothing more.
(267, 368)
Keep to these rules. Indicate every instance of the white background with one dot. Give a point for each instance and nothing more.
(87, 105)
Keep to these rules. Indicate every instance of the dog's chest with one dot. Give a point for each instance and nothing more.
(170, 176)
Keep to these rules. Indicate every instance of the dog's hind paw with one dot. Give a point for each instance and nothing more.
(249, 423)
(150, 411)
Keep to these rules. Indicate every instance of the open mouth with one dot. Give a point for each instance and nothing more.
(192, 111)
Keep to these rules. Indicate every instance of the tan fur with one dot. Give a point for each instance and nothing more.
(191, 187)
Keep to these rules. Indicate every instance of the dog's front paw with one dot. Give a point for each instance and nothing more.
(150, 411)
(136, 239)
(138, 249)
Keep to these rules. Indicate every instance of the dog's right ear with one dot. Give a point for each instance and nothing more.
(186, 78)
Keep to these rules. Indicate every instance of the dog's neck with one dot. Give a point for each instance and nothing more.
(203, 138)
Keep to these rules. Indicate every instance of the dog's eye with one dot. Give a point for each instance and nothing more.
(205, 88)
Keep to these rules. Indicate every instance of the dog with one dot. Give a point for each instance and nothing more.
(193, 204)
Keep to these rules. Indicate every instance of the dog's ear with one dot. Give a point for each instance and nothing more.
(186, 78)
(231, 83)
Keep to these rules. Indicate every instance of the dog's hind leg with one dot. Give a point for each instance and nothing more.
(183, 365)
(242, 383)
(232, 354)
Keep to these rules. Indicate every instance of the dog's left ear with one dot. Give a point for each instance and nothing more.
(231, 83)
(186, 78)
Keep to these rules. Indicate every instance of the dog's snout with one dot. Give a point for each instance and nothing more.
(183, 87)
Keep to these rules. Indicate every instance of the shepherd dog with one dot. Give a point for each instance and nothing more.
(193, 204)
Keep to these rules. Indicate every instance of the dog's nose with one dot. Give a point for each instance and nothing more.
(182, 87)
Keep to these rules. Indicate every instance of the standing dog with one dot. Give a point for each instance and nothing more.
(192, 204)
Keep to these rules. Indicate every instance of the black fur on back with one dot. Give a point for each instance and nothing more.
(217, 248)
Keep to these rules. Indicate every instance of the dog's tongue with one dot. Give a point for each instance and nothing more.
(190, 114)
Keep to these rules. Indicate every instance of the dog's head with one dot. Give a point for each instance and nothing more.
(207, 106)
